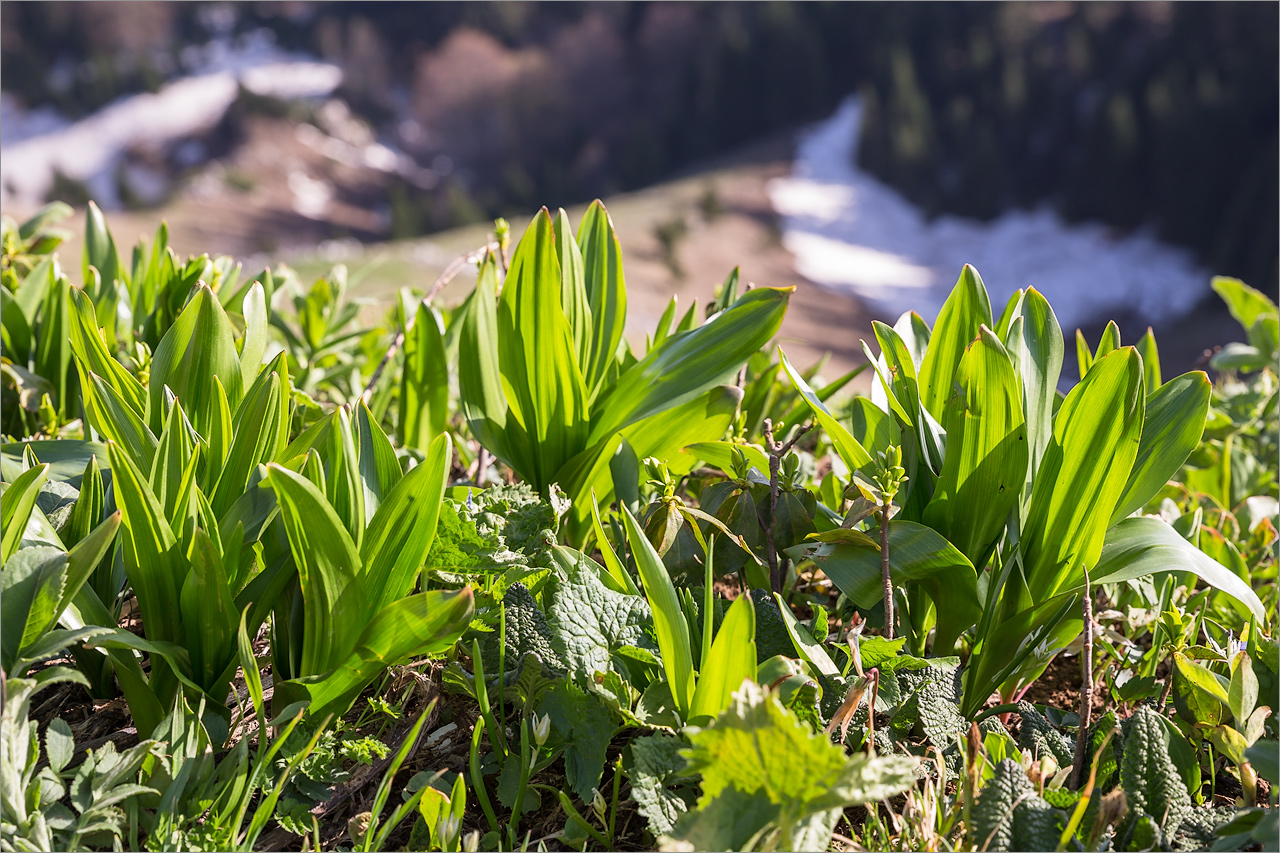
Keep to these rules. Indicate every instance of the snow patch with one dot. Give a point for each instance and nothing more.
(39, 143)
(849, 232)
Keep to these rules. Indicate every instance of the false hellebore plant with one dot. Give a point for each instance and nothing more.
(1012, 491)
(549, 385)
(222, 520)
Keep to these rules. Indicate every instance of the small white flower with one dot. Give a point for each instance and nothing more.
(541, 728)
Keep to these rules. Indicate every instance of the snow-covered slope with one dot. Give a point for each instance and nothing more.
(89, 150)
(850, 232)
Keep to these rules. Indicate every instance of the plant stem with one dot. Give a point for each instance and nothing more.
(776, 452)
(885, 577)
(477, 779)
(1086, 688)
(455, 267)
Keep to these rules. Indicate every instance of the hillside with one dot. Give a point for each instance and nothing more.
(725, 211)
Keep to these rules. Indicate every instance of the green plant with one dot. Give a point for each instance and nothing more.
(354, 582)
(548, 386)
(1003, 479)
(22, 246)
(330, 351)
(726, 660)
(770, 783)
(40, 581)
(33, 814)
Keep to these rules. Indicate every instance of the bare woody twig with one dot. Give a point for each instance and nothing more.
(456, 266)
(886, 578)
(1086, 688)
(776, 452)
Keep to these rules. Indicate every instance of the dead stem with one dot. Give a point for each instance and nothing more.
(1086, 687)
(776, 452)
(455, 267)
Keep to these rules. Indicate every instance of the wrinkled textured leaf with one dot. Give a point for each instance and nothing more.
(589, 622)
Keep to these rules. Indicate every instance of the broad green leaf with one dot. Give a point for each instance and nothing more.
(109, 414)
(656, 767)
(45, 217)
(89, 505)
(1245, 303)
(668, 620)
(1239, 357)
(1171, 430)
(92, 354)
(1084, 355)
(622, 581)
(327, 560)
(732, 660)
(686, 364)
(663, 329)
(1012, 310)
(590, 623)
(16, 329)
(343, 485)
(705, 418)
(872, 426)
(169, 466)
(1264, 334)
(733, 820)
(1150, 361)
(986, 461)
(1198, 694)
(424, 381)
(1082, 476)
(965, 311)
(208, 615)
(1141, 546)
(886, 387)
(99, 246)
(917, 555)
(379, 466)
(401, 532)
(85, 556)
(16, 504)
(1110, 341)
(807, 648)
(53, 348)
(35, 288)
(902, 371)
(199, 346)
(483, 400)
(915, 334)
(573, 289)
(254, 309)
(260, 433)
(1242, 693)
(690, 319)
(1028, 639)
(1034, 343)
(65, 457)
(151, 559)
(538, 361)
(606, 294)
(422, 625)
(31, 586)
(850, 450)
(759, 745)
(720, 454)
(220, 434)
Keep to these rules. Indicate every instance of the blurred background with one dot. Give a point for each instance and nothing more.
(1113, 155)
